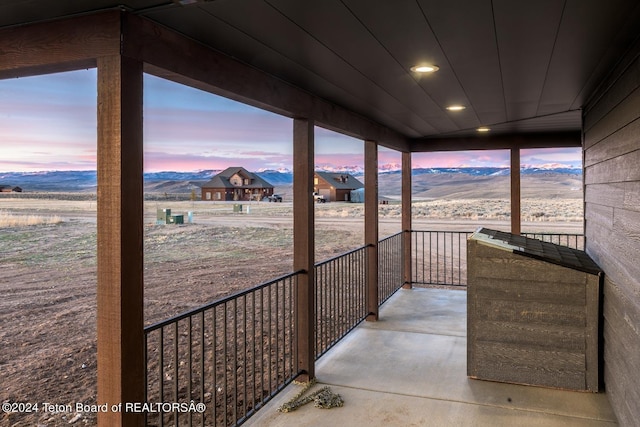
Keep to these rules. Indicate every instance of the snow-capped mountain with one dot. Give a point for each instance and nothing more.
(86, 180)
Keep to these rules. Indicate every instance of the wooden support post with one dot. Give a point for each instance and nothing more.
(406, 221)
(120, 239)
(304, 244)
(515, 191)
(371, 226)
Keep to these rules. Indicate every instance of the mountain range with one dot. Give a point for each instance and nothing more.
(174, 181)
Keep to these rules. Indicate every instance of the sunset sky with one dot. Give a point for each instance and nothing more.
(49, 123)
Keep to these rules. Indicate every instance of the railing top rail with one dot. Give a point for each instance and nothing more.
(524, 232)
(212, 304)
(217, 302)
(318, 264)
(390, 237)
(552, 234)
(442, 231)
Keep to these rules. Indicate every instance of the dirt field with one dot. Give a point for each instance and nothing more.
(48, 279)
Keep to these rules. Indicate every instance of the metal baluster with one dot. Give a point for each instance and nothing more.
(176, 337)
(224, 362)
(202, 354)
(189, 360)
(161, 368)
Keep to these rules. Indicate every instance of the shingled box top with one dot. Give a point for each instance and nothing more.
(545, 251)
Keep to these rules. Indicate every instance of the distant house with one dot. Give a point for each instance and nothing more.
(9, 189)
(236, 183)
(335, 186)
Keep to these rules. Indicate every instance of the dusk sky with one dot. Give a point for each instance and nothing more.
(49, 123)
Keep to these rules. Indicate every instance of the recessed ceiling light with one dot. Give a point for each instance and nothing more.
(456, 107)
(425, 68)
(483, 129)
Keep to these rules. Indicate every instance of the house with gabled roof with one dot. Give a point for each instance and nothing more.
(335, 186)
(236, 183)
(10, 189)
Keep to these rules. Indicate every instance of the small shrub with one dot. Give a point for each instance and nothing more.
(10, 220)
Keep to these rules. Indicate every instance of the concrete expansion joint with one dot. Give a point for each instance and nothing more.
(381, 322)
(507, 406)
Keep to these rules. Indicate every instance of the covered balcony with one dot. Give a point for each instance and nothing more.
(505, 75)
(409, 368)
(239, 355)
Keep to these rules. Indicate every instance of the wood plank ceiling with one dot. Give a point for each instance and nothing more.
(517, 66)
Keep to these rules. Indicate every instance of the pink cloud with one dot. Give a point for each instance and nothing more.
(158, 161)
(571, 157)
(49, 122)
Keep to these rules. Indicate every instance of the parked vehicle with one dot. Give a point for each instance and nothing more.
(319, 198)
(273, 198)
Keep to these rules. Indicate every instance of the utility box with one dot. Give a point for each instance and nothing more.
(237, 208)
(533, 312)
(176, 219)
(163, 216)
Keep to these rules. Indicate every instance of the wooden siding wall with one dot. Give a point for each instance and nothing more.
(530, 321)
(612, 226)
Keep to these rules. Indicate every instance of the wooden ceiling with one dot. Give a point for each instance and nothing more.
(517, 66)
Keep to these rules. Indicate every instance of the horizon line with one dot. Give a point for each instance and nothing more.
(285, 170)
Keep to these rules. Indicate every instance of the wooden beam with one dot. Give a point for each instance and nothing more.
(304, 244)
(172, 56)
(516, 220)
(120, 239)
(371, 226)
(56, 46)
(498, 142)
(406, 221)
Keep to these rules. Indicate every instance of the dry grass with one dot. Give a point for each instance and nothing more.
(533, 210)
(10, 220)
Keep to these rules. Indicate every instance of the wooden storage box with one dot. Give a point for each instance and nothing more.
(532, 312)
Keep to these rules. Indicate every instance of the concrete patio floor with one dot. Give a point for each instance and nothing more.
(409, 369)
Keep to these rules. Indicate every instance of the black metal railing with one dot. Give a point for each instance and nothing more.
(440, 257)
(233, 355)
(575, 241)
(340, 297)
(341, 289)
(230, 356)
(390, 277)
